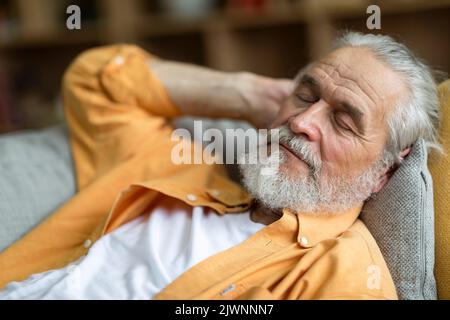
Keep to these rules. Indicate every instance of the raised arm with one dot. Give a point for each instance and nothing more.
(205, 92)
(119, 97)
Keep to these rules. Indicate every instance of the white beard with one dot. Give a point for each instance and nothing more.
(314, 193)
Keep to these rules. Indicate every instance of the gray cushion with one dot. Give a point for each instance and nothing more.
(401, 219)
(36, 177)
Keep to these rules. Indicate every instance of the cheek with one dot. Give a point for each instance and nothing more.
(343, 155)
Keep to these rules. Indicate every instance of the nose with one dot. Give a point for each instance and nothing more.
(307, 122)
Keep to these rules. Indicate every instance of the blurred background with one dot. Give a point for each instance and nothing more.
(270, 37)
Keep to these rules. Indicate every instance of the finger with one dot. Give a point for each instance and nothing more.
(279, 89)
(286, 86)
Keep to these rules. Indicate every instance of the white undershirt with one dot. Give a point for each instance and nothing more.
(140, 258)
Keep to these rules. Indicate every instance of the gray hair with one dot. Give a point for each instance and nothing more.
(418, 116)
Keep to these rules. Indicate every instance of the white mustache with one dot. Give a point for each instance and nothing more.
(300, 147)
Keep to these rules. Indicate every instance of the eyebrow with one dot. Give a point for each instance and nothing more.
(356, 114)
(309, 80)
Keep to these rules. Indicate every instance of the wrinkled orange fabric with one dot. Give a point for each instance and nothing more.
(119, 117)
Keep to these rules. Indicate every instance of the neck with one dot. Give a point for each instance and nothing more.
(264, 215)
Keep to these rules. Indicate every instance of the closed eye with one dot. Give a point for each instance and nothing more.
(306, 98)
(341, 121)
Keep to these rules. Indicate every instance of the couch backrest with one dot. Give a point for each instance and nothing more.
(440, 170)
(36, 177)
(36, 173)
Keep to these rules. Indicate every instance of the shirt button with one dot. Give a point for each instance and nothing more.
(119, 60)
(304, 241)
(87, 243)
(191, 197)
(215, 193)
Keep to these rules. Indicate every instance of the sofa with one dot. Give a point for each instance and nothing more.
(409, 218)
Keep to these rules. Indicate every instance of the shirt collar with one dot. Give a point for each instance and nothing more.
(313, 229)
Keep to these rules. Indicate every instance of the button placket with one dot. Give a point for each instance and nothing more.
(119, 60)
(304, 241)
(87, 243)
(191, 197)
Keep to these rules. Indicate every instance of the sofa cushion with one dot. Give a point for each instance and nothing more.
(36, 177)
(401, 219)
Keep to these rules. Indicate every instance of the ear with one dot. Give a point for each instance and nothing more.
(382, 181)
(405, 152)
(388, 174)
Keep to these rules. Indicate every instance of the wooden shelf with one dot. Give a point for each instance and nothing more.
(274, 41)
(159, 25)
(60, 38)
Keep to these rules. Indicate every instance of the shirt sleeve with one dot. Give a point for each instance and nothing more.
(112, 101)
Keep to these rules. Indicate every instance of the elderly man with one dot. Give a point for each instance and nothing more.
(141, 227)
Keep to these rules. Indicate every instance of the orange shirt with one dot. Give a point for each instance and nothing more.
(119, 116)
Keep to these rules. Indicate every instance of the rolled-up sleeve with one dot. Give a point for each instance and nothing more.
(112, 100)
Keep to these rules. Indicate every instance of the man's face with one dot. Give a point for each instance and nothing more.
(334, 129)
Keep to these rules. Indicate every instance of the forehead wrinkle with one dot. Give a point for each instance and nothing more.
(367, 93)
(369, 88)
(360, 117)
(362, 120)
(384, 99)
